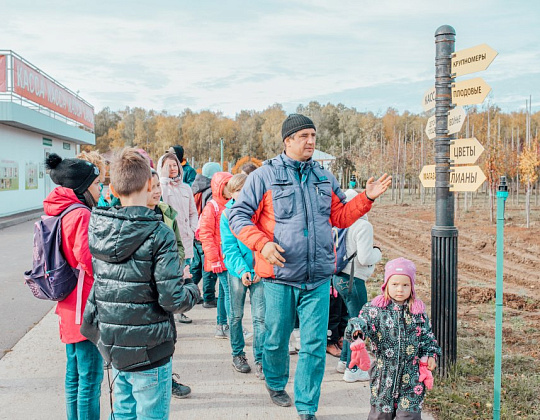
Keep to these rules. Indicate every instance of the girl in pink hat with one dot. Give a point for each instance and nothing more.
(402, 342)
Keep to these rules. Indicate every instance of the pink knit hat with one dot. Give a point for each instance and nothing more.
(405, 267)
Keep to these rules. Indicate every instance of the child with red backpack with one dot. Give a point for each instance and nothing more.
(79, 183)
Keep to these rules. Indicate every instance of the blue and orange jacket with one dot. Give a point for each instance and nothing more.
(294, 204)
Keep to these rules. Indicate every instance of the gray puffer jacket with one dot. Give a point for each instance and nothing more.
(138, 285)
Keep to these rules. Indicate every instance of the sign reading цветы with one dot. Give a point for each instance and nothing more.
(466, 178)
(472, 59)
(456, 118)
(470, 92)
(464, 151)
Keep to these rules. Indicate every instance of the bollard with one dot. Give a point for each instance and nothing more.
(502, 195)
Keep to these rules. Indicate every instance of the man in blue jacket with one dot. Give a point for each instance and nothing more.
(285, 214)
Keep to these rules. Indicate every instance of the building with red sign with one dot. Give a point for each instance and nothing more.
(38, 116)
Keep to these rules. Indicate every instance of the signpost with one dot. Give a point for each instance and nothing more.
(447, 178)
(429, 99)
(472, 59)
(456, 118)
(470, 92)
(465, 151)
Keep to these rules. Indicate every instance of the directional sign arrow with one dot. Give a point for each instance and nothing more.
(456, 118)
(466, 178)
(472, 59)
(427, 176)
(430, 127)
(470, 92)
(428, 101)
(463, 151)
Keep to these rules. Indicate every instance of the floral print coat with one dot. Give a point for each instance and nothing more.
(398, 340)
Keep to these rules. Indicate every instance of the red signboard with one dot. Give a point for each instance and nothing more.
(3, 81)
(32, 85)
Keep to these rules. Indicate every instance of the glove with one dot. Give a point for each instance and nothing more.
(353, 326)
(218, 267)
(425, 374)
(359, 355)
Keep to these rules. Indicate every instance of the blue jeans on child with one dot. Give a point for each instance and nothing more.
(84, 373)
(282, 304)
(144, 395)
(354, 300)
(224, 301)
(238, 294)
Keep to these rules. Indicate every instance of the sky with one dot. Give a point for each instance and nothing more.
(237, 55)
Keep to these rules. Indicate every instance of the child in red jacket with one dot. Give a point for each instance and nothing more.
(210, 238)
(79, 182)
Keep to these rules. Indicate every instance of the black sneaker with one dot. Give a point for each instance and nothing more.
(240, 364)
(210, 304)
(280, 398)
(179, 390)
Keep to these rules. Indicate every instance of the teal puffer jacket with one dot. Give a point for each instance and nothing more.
(138, 285)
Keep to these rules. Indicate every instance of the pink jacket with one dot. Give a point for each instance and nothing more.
(180, 197)
(209, 232)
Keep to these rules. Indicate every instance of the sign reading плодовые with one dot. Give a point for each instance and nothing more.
(470, 92)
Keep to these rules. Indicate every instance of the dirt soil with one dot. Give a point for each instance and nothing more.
(405, 230)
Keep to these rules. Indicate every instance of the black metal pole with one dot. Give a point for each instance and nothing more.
(444, 234)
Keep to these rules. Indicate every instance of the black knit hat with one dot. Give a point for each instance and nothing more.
(76, 174)
(294, 123)
(179, 151)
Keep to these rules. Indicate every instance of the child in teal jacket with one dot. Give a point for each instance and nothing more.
(238, 260)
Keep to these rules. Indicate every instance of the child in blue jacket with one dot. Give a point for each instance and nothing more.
(241, 276)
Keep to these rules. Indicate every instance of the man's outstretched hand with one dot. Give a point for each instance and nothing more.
(272, 253)
(375, 188)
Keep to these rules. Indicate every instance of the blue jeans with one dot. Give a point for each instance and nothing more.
(224, 300)
(144, 395)
(282, 304)
(354, 301)
(84, 373)
(238, 298)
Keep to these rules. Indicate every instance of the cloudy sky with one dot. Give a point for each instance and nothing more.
(233, 55)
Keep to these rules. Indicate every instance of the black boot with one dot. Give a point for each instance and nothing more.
(280, 398)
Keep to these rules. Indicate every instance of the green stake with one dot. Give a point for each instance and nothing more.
(502, 195)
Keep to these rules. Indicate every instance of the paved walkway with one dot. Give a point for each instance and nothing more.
(32, 375)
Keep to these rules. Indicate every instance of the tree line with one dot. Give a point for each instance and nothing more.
(364, 143)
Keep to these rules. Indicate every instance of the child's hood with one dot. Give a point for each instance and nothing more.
(218, 183)
(58, 200)
(116, 233)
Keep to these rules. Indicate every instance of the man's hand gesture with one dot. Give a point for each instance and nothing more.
(271, 253)
(375, 188)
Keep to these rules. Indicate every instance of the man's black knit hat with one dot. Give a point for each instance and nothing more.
(294, 123)
(76, 174)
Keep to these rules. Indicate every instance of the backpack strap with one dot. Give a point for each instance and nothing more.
(80, 277)
(78, 307)
(73, 207)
